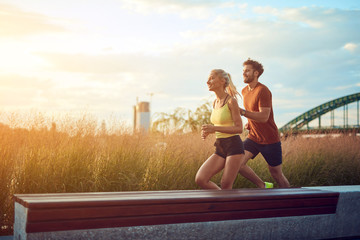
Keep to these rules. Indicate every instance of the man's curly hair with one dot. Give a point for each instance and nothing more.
(256, 65)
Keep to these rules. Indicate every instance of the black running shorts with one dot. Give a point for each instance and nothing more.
(229, 146)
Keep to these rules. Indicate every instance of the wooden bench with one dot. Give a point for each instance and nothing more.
(75, 211)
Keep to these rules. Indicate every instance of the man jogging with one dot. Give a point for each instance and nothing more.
(263, 133)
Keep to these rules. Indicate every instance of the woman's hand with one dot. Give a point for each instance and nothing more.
(204, 135)
(208, 128)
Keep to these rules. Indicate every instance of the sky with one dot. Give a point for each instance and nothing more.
(102, 56)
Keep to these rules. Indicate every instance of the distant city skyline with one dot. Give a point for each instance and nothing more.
(101, 56)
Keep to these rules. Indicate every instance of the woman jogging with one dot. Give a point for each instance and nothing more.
(227, 126)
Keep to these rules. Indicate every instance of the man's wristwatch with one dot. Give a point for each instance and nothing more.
(243, 112)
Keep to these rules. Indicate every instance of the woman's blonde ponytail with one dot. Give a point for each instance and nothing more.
(231, 89)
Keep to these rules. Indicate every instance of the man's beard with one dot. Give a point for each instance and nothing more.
(249, 79)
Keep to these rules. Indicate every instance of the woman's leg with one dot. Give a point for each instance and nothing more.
(210, 167)
(231, 170)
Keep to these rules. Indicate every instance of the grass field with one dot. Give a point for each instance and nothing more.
(80, 156)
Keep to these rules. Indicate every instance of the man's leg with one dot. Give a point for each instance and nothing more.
(248, 173)
(277, 174)
(273, 156)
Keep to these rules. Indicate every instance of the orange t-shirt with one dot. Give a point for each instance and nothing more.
(261, 133)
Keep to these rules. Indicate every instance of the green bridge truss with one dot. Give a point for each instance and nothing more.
(304, 119)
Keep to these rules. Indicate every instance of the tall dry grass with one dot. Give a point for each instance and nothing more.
(322, 162)
(81, 155)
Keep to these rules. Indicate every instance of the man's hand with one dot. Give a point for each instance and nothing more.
(261, 116)
(242, 111)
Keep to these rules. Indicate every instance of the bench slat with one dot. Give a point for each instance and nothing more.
(159, 209)
(160, 197)
(171, 219)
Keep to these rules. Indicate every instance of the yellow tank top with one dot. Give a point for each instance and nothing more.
(222, 117)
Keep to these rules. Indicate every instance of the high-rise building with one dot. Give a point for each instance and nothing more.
(142, 117)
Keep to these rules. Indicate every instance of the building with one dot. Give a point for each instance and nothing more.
(142, 117)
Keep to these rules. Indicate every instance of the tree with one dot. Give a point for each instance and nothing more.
(182, 120)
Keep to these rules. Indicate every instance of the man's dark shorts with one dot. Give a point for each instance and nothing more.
(271, 152)
(229, 146)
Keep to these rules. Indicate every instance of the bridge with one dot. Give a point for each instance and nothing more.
(301, 122)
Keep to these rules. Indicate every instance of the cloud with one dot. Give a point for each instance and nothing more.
(351, 47)
(201, 9)
(288, 50)
(346, 87)
(23, 82)
(228, 37)
(172, 73)
(293, 32)
(101, 81)
(22, 91)
(96, 64)
(15, 22)
(288, 103)
(294, 52)
(305, 16)
(305, 52)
